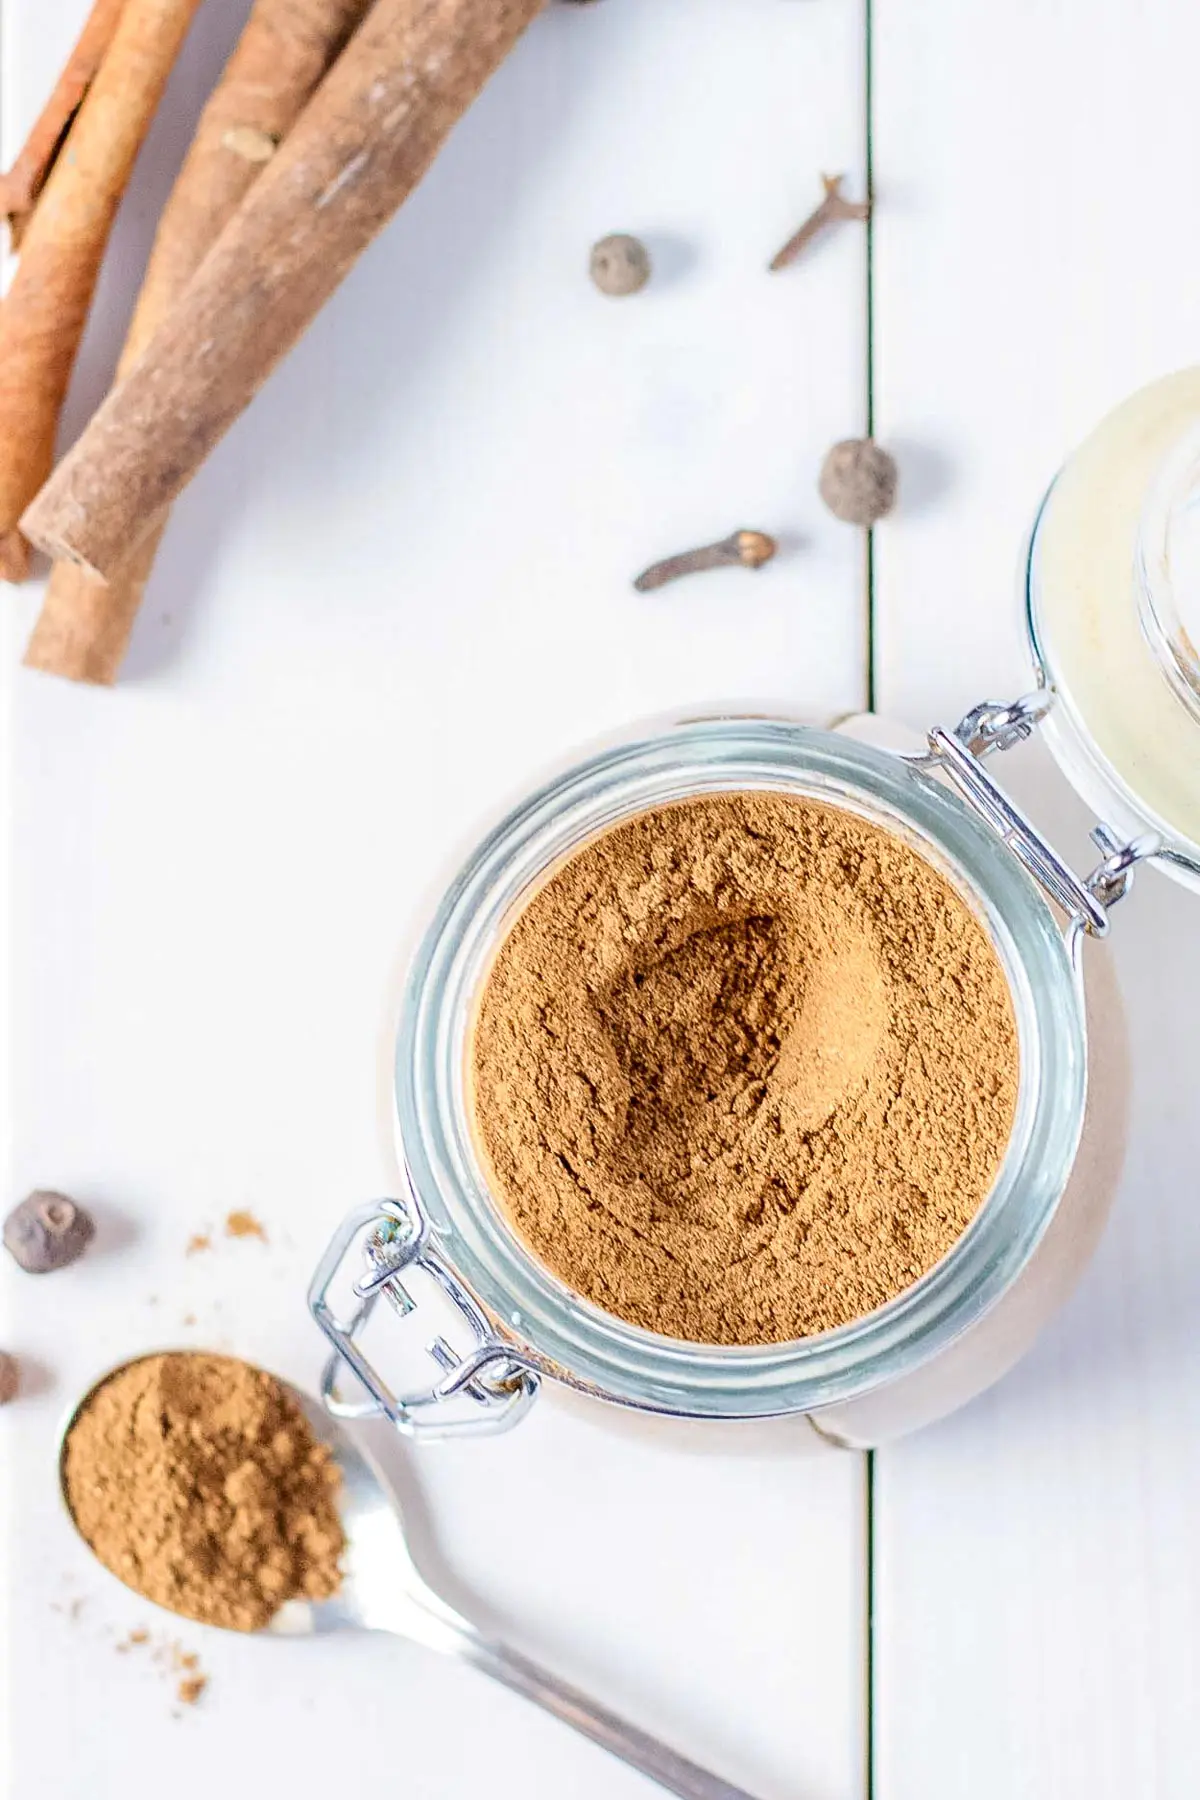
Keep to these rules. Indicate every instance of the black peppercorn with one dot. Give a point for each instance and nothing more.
(47, 1231)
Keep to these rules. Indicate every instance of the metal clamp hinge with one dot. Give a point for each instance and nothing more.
(995, 725)
(486, 1388)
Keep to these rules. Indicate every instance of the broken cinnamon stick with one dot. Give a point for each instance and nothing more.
(284, 50)
(43, 314)
(361, 145)
(21, 185)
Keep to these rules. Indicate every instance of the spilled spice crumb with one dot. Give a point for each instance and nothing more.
(167, 1655)
(198, 1243)
(244, 1225)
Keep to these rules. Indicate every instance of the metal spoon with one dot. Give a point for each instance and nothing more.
(382, 1590)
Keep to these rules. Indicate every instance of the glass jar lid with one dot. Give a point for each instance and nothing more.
(1112, 597)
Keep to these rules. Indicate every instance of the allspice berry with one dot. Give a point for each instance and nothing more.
(858, 481)
(10, 1379)
(47, 1232)
(619, 264)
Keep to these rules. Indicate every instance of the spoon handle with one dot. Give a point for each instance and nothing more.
(638, 1748)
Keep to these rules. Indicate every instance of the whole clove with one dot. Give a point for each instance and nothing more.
(741, 549)
(833, 206)
(47, 1232)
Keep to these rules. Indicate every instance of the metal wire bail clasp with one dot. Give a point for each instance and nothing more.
(1111, 880)
(996, 725)
(486, 1388)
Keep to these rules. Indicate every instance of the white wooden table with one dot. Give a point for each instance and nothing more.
(400, 587)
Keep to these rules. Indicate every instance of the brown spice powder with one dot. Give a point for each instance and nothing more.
(743, 1069)
(191, 1688)
(244, 1225)
(198, 1481)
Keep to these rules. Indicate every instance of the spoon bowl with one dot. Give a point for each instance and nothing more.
(381, 1586)
(382, 1589)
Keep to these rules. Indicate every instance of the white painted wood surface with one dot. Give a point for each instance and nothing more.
(400, 587)
(1038, 1601)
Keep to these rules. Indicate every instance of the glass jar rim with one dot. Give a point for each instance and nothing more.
(595, 1350)
(1070, 739)
(1164, 559)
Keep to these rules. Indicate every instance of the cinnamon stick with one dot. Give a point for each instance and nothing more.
(43, 314)
(21, 185)
(285, 48)
(363, 142)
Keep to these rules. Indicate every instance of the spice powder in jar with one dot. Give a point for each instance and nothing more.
(743, 1068)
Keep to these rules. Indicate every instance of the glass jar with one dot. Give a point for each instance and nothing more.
(947, 1336)
(1112, 595)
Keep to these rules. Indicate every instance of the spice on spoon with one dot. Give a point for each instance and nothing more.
(833, 206)
(745, 549)
(199, 1482)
